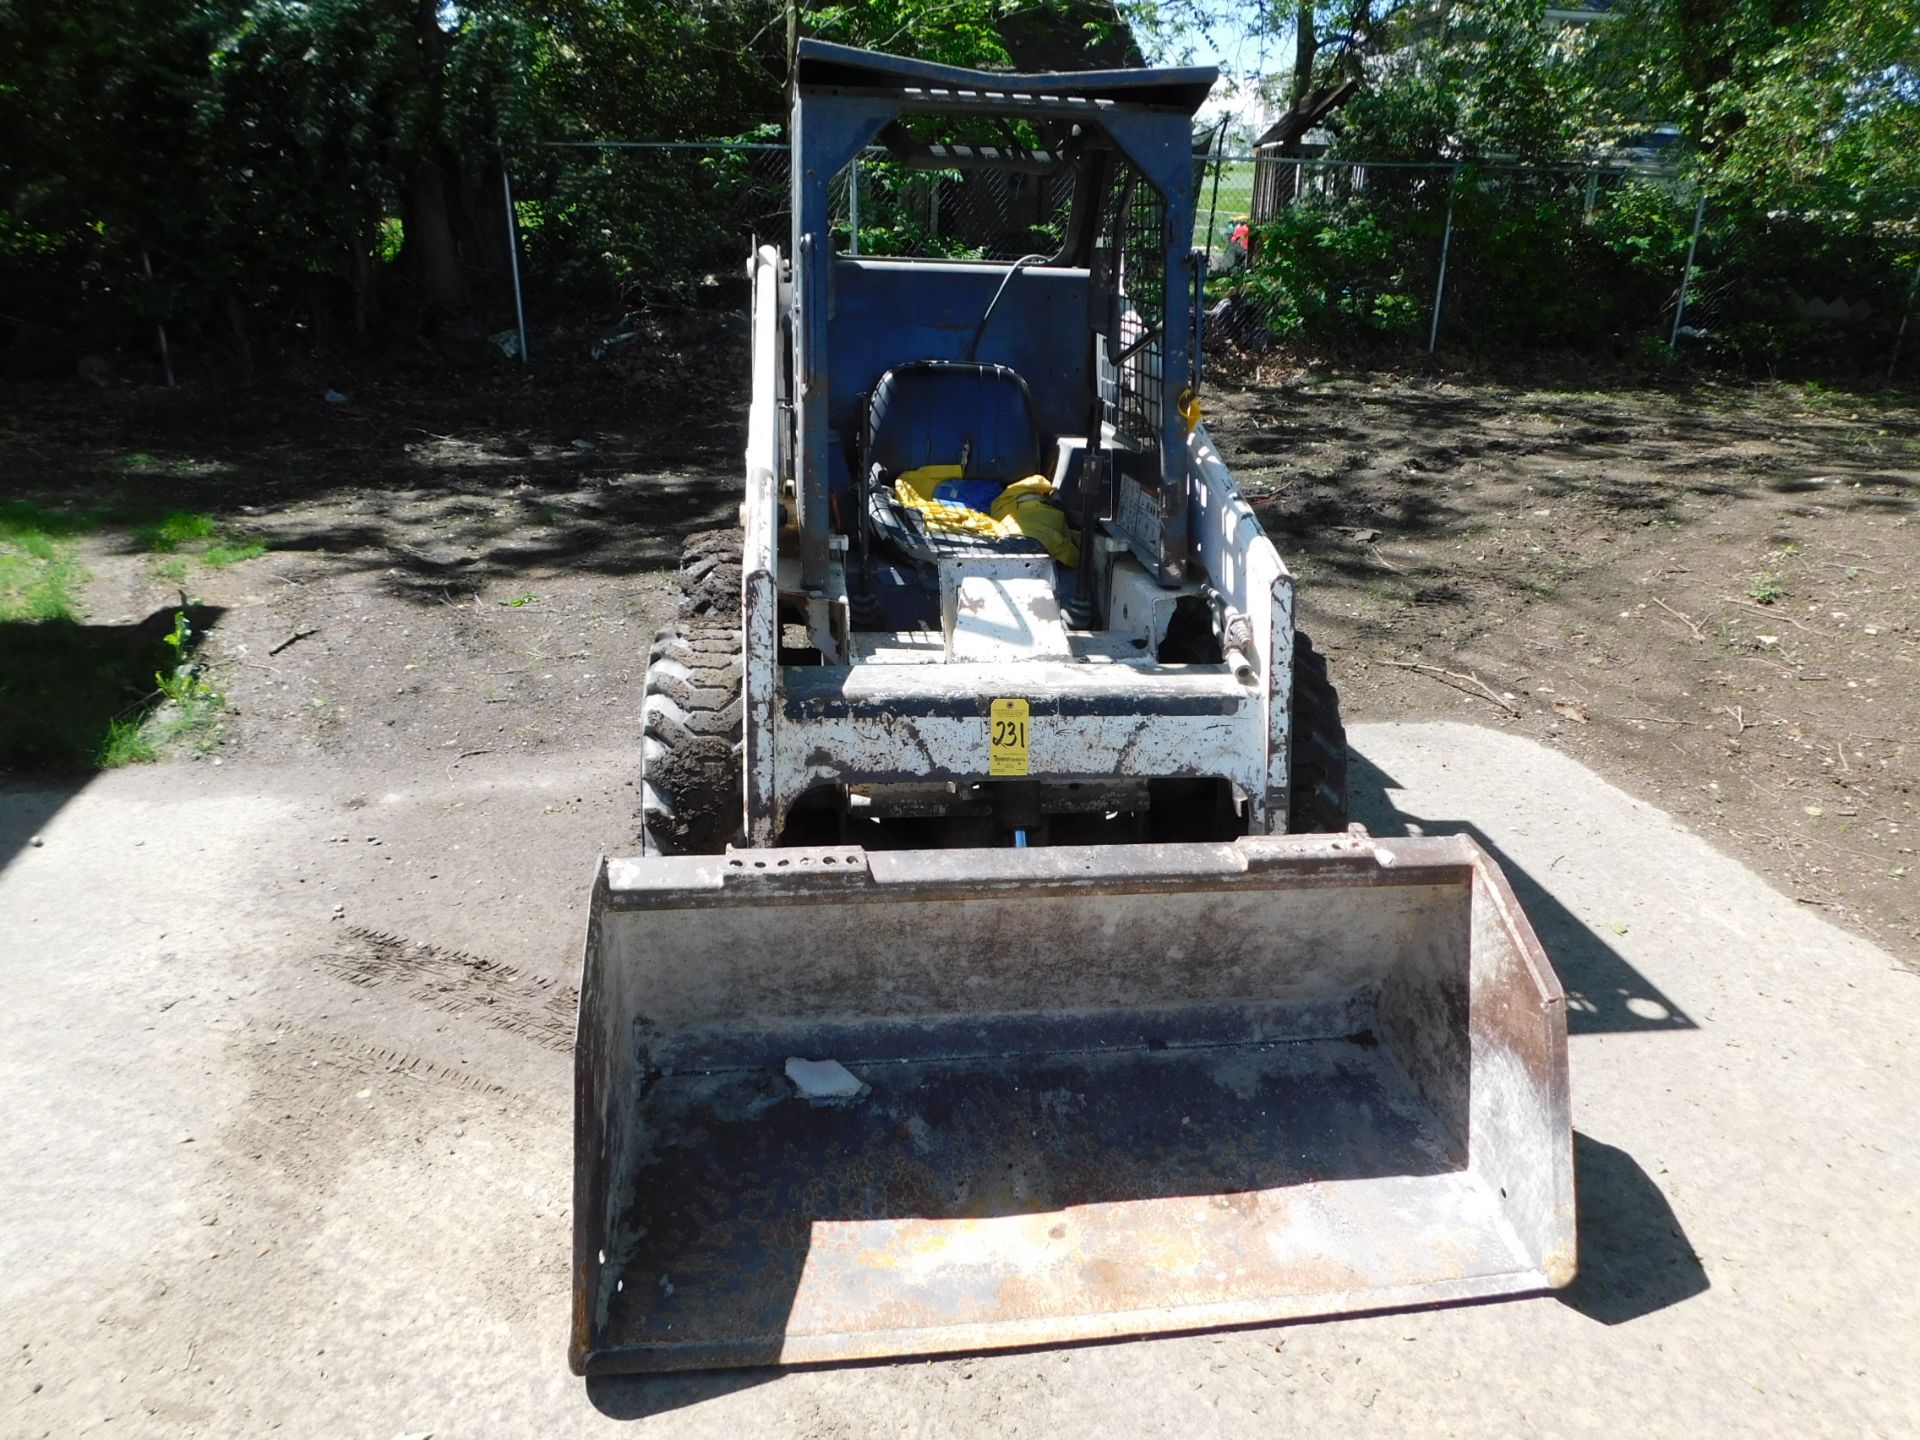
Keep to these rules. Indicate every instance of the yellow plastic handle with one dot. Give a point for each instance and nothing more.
(1188, 408)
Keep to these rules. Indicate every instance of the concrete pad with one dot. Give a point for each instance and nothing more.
(266, 1167)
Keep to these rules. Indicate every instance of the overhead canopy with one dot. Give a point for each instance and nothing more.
(820, 64)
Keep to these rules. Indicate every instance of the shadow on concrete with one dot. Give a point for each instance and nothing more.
(641, 1397)
(1634, 1257)
(1605, 994)
(64, 689)
(25, 809)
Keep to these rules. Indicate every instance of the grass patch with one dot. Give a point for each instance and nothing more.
(195, 723)
(232, 552)
(125, 743)
(145, 462)
(1820, 395)
(190, 712)
(180, 527)
(1766, 589)
(25, 517)
(39, 578)
(199, 534)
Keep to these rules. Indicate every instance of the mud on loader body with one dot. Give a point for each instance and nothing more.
(1035, 823)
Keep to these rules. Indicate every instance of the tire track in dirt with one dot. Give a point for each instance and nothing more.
(392, 1061)
(502, 996)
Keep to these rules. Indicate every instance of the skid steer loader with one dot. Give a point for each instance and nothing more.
(999, 968)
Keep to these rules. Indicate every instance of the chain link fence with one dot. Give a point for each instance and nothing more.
(652, 218)
(1620, 260)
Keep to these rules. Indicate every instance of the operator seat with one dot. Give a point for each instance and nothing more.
(946, 412)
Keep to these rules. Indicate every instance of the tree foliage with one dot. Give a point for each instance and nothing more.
(1791, 127)
(335, 165)
(1787, 97)
(328, 172)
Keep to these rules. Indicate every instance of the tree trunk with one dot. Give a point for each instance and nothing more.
(430, 253)
(482, 225)
(798, 26)
(237, 327)
(361, 278)
(1306, 45)
(1705, 56)
(323, 293)
(433, 258)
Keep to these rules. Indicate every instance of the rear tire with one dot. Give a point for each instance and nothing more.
(691, 797)
(710, 575)
(1317, 794)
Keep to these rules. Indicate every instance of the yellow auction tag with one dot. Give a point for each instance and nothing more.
(1007, 737)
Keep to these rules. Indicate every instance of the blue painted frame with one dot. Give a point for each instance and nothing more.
(842, 99)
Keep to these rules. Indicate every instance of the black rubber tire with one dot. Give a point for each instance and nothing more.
(710, 575)
(1317, 794)
(691, 796)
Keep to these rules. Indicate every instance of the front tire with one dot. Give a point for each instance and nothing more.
(691, 786)
(710, 575)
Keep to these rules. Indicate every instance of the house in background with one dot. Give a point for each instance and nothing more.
(1305, 130)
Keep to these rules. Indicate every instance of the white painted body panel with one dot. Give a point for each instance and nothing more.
(913, 706)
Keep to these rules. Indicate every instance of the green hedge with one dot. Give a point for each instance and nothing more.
(1540, 260)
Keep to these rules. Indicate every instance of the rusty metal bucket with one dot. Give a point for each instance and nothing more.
(1108, 1091)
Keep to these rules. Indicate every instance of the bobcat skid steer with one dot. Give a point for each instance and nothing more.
(999, 968)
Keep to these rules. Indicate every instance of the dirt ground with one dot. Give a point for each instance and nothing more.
(1707, 592)
(470, 568)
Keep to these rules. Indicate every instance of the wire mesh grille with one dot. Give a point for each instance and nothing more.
(1131, 370)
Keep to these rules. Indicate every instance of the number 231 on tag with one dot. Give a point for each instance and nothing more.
(1007, 737)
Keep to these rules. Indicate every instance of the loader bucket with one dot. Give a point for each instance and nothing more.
(1107, 1091)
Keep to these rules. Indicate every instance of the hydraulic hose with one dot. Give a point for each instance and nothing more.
(973, 345)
